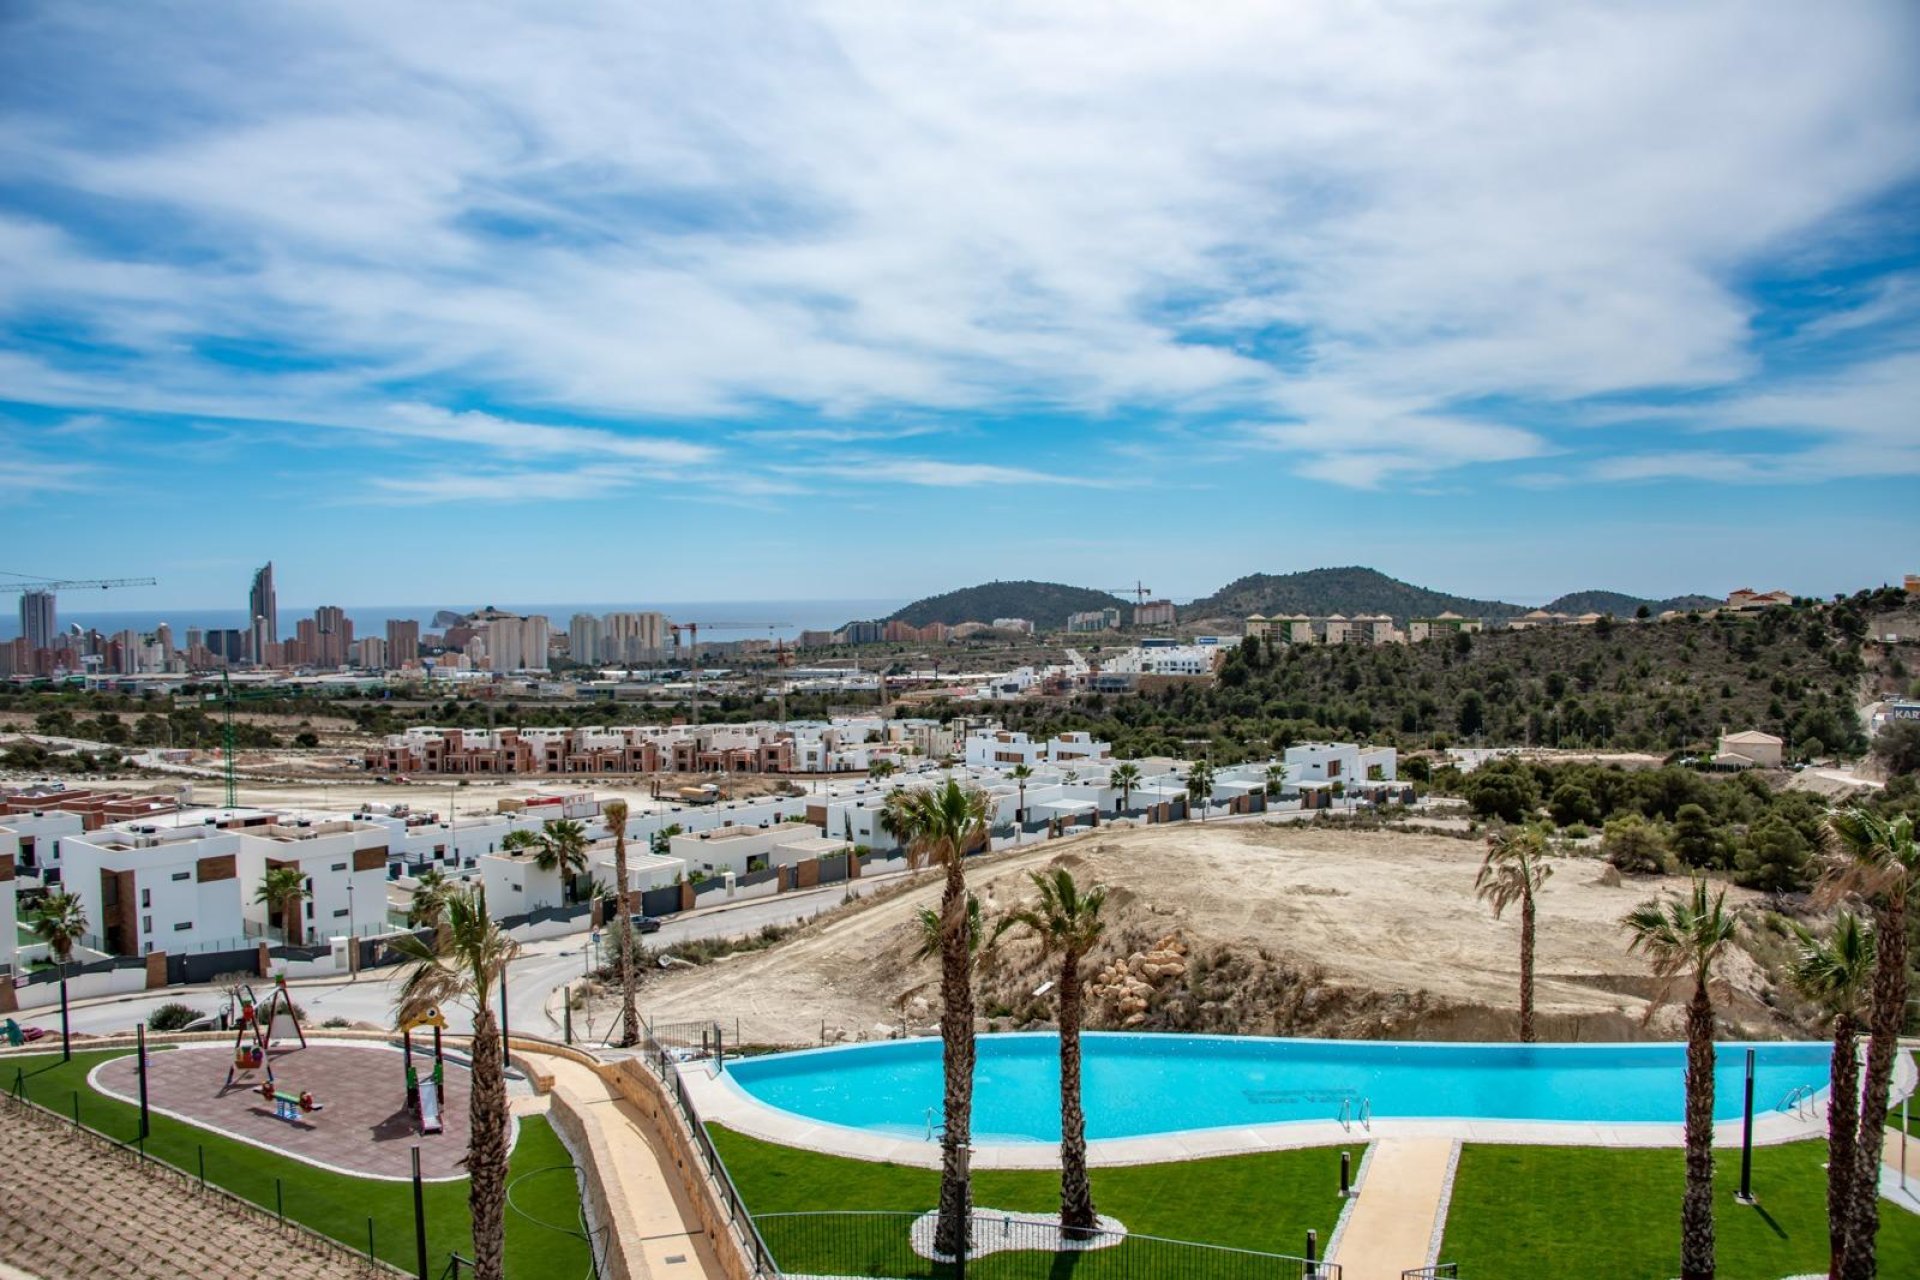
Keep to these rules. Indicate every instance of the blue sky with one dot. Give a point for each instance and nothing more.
(438, 302)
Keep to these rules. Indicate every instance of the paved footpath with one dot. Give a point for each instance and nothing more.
(1391, 1224)
(665, 1229)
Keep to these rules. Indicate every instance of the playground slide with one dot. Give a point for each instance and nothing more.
(429, 1107)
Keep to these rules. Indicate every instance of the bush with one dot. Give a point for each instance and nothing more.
(172, 1016)
(1775, 858)
(1501, 789)
(1634, 845)
(1576, 831)
(1897, 747)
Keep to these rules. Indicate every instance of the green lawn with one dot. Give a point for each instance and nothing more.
(1547, 1212)
(337, 1204)
(1264, 1202)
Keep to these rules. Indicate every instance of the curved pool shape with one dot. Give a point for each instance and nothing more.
(1134, 1085)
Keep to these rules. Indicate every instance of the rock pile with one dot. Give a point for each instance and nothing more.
(1126, 986)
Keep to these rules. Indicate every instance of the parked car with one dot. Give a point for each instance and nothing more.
(646, 924)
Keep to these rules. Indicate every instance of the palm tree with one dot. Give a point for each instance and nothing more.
(939, 825)
(1686, 936)
(1067, 924)
(282, 889)
(1882, 858)
(468, 959)
(1200, 785)
(1835, 973)
(1514, 871)
(880, 769)
(429, 905)
(562, 846)
(1276, 778)
(1020, 773)
(1125, 776)
(61, 921)
(615, 812)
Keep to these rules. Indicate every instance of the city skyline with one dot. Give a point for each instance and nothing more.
(1490, 299)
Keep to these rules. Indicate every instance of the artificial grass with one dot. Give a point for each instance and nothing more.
(1547, 1212)
(1264, 1202)
(336, 1204)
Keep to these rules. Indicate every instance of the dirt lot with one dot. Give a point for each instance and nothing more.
(1287, 929)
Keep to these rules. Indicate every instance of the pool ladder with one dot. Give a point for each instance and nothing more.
(1800, 1103)
(1365, 1116)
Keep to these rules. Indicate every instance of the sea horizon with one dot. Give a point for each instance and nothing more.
(771, 619)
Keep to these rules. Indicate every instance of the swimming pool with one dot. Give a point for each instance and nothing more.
(1136, 1085)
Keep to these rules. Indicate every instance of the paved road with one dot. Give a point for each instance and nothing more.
(542, 968)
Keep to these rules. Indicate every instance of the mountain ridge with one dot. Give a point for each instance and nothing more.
(1350, 590)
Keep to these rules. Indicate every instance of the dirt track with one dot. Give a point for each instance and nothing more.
(1382, 913)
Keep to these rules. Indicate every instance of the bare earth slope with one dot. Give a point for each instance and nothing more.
(1282, 929)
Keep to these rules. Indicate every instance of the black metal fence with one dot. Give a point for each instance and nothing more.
(881, 1244)
(1006, 1247)
(131, 1147)
(1439, 1271)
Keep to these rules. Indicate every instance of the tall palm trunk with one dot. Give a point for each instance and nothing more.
(1696, 1207)
(487, 1149)
(1889, 1011)
(954, 1226)
(290, 920)
(629, 1003)
(1076, 1192)
(1843, 1114)
(1526, 970)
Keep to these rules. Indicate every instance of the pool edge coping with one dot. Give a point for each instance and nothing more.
(719, 1099)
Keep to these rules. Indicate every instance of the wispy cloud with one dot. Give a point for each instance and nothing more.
(636, 235)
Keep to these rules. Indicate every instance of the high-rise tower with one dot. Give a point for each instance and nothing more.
(263, 603)
(38, 621)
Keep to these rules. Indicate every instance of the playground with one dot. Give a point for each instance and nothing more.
(361, 1124)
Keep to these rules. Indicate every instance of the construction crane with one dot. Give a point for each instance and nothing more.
(693, 630)
(228, 696)
(30, 582)
(1138, 591)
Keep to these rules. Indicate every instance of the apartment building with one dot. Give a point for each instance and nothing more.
(1004, 749)
(9, 901)
(1153, 613)
(153, 887)
(1445, 624)
(1094, 620)
(35, 841)
(344, 863)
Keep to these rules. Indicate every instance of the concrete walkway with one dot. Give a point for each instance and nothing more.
(657, 1223)
(1390, 1227)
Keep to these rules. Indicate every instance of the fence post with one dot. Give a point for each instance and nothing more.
(419, 1218)
(76, 1108)
(370, 1257)
(279, 1202)
(203, 1164)
(145, 1122)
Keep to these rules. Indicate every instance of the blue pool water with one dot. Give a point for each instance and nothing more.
(1144, 1084)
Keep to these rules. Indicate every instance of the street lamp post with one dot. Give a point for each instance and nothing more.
(353, 935)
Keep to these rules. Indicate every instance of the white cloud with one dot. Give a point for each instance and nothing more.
(646, 213)
(937, 474)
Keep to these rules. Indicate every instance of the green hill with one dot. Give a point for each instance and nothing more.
(1047, 604)
(1639, 686)
(1351, 590)
(1621, 605)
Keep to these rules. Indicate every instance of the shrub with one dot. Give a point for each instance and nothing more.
(172, 1016)
(1576, 831)
(1634, 845)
